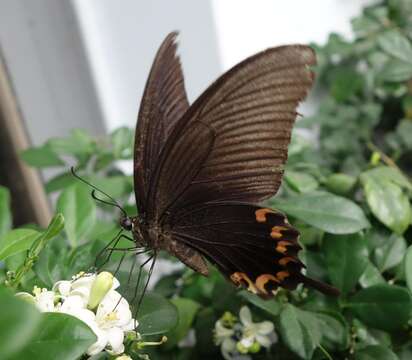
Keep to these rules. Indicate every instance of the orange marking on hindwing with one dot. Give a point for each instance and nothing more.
(284, 261)
(262, 280)
(281, 246)
(261, 214)
(237, 279)
(276, 232)
(281, 275)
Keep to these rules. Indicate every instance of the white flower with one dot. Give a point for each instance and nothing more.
(224, 338)
(92, 299)
(44, 299)
(255, 332)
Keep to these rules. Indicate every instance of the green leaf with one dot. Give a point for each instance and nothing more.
(17, 241)
(301, 182)
(299, 330)
(335, 330)
(5, 214)
(408, 268)
(187, 310)
(272, 306)
(60, 182)
(157, 315)
(397, 45)
(346, 258)
(396, 71)
(340, 184)
(79, 143)
(404, 130)
(122, 140)
(79, 211)
(387, 202)
(371, 276)
(328, 212)
(385, 307)
(59, 336)
(345, 83)
(18, 322)
(42, 156)
(115, 186)
(391, 253)
(389, 174)
(375, 352)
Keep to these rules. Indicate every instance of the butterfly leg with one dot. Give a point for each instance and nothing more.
(152, 258)
(112, 243)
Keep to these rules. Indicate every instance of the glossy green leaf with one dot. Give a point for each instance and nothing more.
(300, 181)
(385, 307)
(299, 331)
(396, 71)
(388, 202)
(391, 253)
(187, 310)
(408, 267)
(375, 352)
(5, 213)
(60, 182)
(78, 143)
(42, 156)
(391, 174)
(371, 276)
(122, 140)
(18, 323)
(79, 211)
(328, 212)
(272, 306)
(346, 258)
(404, 130)
(396, 44)
(157, 315)
(17, 241)
(59, 336)
(116, 186)
(334, 329)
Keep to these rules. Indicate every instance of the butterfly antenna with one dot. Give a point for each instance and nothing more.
(113, 203)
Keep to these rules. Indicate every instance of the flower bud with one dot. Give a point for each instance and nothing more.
(100, 287)
(255, 348)
(123, 357)
(26, 297)
(242, 348)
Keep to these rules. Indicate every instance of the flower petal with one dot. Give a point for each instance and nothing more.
(245, 315)
(265, 327)
(115, 336)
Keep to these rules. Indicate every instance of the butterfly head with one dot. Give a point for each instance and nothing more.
(126, 223)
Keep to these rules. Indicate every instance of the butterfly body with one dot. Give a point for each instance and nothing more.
(201, 170)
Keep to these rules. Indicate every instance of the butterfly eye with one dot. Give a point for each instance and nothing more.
(126, 223)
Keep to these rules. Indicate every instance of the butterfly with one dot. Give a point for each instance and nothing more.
(200, 170)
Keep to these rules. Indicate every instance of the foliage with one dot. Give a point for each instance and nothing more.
(347, 189)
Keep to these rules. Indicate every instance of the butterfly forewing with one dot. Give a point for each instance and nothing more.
(250, 111)
(164, 102)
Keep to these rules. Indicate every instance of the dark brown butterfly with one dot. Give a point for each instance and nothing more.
(200, 170)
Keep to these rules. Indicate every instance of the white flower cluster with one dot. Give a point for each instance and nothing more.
(237, 338)
(94, 300)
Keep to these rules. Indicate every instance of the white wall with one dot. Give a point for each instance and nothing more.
(121, 38)
(247, 26)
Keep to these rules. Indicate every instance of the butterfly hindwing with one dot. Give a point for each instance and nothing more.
(250, 110)
(254, 247)
(163, 104)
